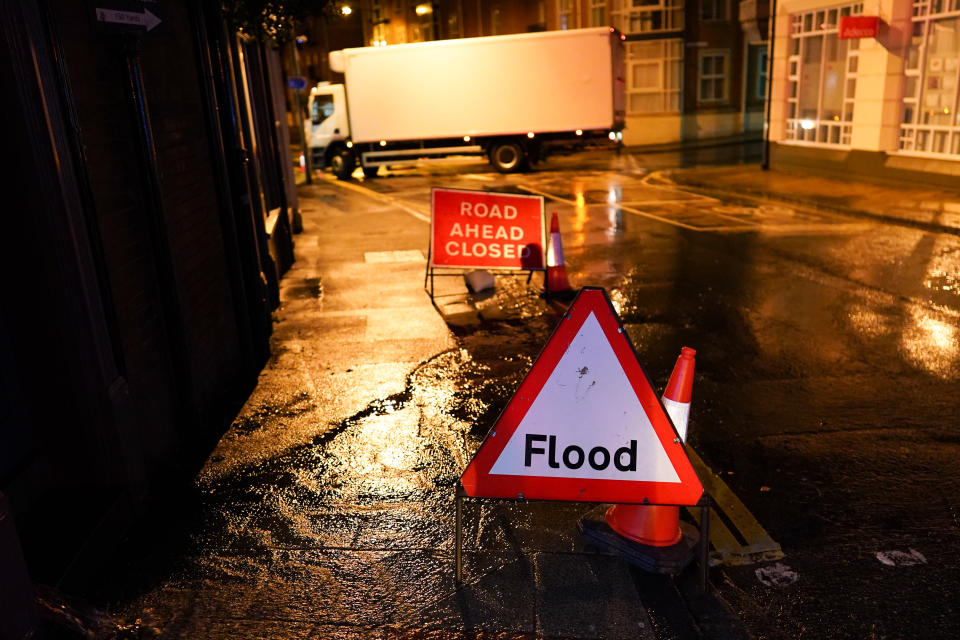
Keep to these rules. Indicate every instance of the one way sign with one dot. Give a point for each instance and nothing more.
(585, 424)
(127, 15)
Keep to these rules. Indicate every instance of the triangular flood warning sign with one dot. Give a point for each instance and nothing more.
(585, 424)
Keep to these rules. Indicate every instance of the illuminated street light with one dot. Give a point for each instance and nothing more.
(424, 9)
(346, 10)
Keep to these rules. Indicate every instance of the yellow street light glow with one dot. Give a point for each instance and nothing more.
(349, 144)
(529, 134)
(383, 143)
(579, 132)
(424, 9)
(466, 138)
(346, 10)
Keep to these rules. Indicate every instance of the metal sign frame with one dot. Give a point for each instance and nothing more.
(703, 552)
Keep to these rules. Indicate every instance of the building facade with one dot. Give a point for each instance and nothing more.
(148, 200)
(878, 101)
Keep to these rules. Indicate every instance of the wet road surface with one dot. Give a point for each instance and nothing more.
(828, 362)
(825, 397)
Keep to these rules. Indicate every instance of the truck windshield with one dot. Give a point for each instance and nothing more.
(322, 108)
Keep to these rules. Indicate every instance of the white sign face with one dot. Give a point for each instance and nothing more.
(587, 422)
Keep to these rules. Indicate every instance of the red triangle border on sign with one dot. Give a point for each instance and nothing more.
(477, 481)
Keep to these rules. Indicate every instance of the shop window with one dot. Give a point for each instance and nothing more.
(654, 76)
(822, 78)
(929, 123)
(646, 16)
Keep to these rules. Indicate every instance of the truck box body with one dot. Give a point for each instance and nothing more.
(549, 82)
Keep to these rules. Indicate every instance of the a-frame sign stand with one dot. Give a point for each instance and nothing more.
(585, 425)
(703, 545)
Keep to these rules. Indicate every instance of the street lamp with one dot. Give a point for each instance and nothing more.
(346, 10)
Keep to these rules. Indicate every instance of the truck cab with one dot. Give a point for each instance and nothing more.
(327, 127)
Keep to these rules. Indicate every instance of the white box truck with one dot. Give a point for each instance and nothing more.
(513, 98)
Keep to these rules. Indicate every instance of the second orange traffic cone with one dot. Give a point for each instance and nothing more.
(658, 525)
(556, 280)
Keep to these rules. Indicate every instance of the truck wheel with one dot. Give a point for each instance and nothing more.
(370, 172)
(343, 164)
(507, 157)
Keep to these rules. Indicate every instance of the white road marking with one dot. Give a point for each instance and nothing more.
(901, 558)
(400, 204)
(410, 255)
(638, 212)
(777, 575)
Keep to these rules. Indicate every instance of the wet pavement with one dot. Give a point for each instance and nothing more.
(825, 399)
(327, 509)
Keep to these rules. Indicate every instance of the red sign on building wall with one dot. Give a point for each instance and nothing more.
(485, 230)
(853, 27)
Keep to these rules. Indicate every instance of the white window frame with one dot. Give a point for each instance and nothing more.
(566, 16)
(818, 132)
(630, 16)
(598, 13)
(724, 56)
(917, 138)
(379, 30)
(669, 57)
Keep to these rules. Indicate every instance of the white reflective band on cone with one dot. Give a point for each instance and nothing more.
(679, 413)
(555, 250)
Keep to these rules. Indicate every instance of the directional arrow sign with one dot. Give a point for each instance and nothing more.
(585, 424)
(129, 18)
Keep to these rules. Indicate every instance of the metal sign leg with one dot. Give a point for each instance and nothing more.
(458, 537)
(704, 541)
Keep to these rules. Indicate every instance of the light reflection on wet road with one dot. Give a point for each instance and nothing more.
(827, 369)
(828, 362)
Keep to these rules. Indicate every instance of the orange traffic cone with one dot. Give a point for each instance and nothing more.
(556, 281)
(658, 525)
